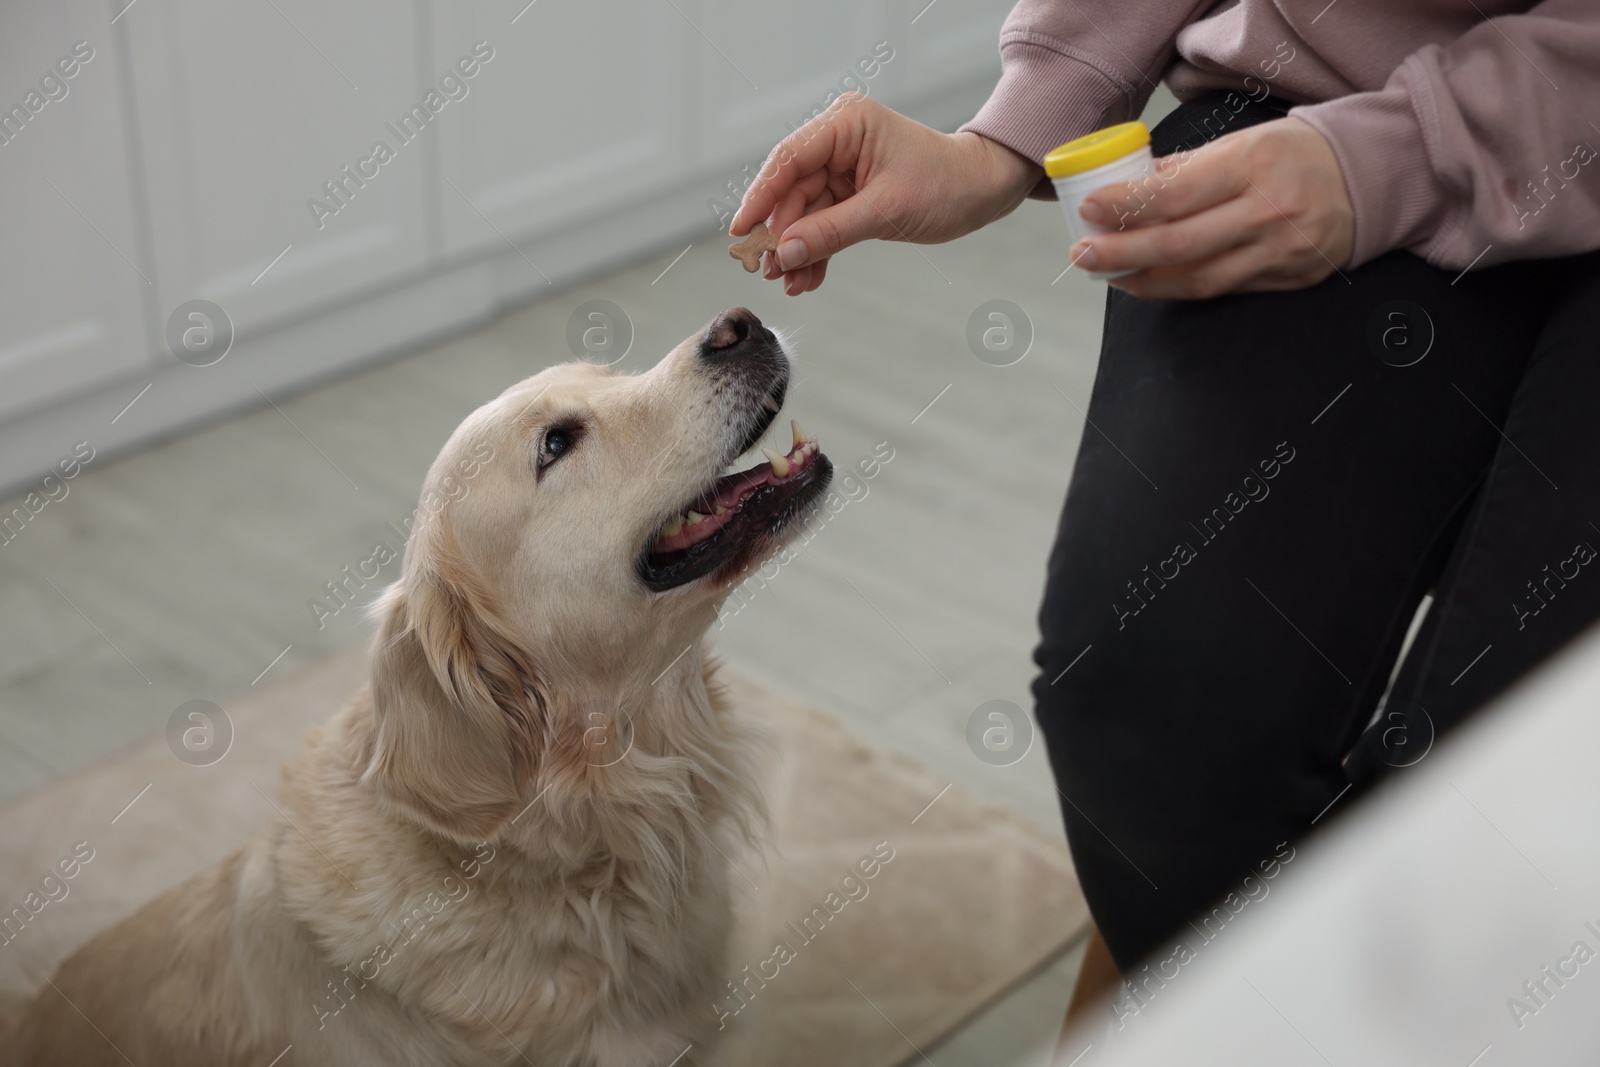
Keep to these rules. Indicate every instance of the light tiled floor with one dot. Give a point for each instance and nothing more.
(184, 571)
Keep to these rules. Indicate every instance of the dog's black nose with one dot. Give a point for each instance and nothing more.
(730, 330)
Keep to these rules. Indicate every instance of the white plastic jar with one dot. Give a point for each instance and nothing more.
(1119, 153)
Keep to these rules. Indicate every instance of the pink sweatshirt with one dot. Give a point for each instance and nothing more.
(1465, 128)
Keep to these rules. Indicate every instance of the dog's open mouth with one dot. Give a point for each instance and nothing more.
(738, 518)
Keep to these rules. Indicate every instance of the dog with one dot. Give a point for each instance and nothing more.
(510, 846)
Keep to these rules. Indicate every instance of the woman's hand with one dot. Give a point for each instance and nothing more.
(1263, 208)
(860, 170)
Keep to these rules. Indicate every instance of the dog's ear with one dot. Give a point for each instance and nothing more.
(456, 703)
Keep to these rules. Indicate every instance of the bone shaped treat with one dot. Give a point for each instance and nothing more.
(748, 251)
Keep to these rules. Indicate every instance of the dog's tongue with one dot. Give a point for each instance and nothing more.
(717, 507)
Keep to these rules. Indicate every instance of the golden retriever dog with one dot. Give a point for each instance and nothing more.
(510, 846)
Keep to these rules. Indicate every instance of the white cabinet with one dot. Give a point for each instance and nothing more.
(71, 306)
(249, 112)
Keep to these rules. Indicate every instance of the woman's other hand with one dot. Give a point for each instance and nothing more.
(1263, 208)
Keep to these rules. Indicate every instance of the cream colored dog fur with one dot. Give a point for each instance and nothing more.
(510, 846)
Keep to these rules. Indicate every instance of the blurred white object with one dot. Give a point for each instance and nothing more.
(1452, 919)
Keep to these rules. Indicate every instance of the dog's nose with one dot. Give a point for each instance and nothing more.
(729, 330)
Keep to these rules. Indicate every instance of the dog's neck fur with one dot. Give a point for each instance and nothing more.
(655, 784)
(651, 771)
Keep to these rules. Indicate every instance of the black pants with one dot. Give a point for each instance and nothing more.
(1267, 487)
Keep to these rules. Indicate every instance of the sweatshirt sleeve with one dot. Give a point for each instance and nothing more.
(1069, 68)
(1480, 151)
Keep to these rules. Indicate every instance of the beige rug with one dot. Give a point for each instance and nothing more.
(971, 902)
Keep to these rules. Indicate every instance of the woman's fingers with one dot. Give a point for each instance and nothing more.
(1281, 259)
(809, 195)
(801, 193)
(832, 140)
(826, 232)
(819, 270)
(1237, 269)
(807, 278)
(1187, 240)
(796, 282)
(795, 203)
(862, 171)
(1178, 185)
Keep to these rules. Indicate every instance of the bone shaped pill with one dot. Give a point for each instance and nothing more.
(748, 251)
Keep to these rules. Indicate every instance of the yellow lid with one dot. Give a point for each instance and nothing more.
(1096, 149)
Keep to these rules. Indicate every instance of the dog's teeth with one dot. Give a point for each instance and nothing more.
(693, 518)
(799, 434)
(780, 466)
(770, 404)
(720, 510)
(673, 527)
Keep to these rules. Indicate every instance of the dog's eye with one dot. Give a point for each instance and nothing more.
(556, 443)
